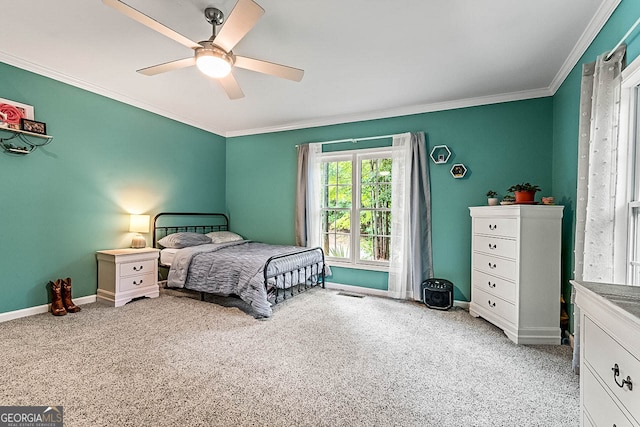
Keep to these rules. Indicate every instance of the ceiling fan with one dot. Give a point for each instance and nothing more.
(214, 57)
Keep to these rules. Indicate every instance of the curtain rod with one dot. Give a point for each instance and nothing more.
(356, 140)
(633, 27)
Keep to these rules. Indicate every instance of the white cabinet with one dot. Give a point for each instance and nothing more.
(609, 354)
(515, 270)
(125, 274)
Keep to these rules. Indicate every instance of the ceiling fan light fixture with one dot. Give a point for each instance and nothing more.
(212, 61)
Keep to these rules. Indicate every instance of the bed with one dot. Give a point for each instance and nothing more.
(199, 252)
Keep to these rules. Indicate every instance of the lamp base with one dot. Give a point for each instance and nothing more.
(138, 242)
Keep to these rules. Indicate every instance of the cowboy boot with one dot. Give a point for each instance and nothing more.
(66, 296)
(57, 308)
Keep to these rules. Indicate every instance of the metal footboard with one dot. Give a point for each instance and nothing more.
(300, 277)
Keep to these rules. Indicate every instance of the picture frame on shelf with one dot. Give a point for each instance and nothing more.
(15, 111)
(33, 126)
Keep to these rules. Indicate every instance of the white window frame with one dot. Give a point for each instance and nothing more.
(630, 134)
(355, 157)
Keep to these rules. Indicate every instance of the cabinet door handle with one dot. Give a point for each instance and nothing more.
(491, 304)
(492, 266)
(138, 283)
(626, 381)
(492, 246)
(491, 285)
(493, 227)
(138, 268)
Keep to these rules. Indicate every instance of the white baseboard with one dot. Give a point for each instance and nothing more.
(378, 292)
(10, 315)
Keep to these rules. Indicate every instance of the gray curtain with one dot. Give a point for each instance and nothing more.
(597, 208)
(301, 195)
(420, 206)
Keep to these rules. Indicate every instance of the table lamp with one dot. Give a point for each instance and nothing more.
(139, 224)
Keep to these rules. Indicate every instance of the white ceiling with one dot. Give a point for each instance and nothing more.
(362, 58)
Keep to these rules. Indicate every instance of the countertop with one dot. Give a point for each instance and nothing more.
(623, 296)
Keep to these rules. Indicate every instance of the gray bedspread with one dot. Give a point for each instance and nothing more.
(236, 268)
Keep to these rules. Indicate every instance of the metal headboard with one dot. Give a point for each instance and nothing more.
(194, 222)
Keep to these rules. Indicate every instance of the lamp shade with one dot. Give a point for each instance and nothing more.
(139, 224)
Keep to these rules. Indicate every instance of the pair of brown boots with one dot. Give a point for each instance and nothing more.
(61, 303)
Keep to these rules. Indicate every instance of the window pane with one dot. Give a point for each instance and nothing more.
(341, 247)
(343, 196)
(375, 223)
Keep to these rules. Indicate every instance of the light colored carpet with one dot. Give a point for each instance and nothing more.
(322, 360)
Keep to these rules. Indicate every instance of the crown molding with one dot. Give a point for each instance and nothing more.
(398, 112)
(595, 25)
(90, 87)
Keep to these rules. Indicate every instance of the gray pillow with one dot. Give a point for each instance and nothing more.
(183, 240)
(223, 236)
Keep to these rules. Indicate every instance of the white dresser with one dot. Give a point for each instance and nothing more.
(515, 270)
(609, 354)
(125, 274)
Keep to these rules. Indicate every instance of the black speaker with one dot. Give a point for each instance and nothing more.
(437, 293)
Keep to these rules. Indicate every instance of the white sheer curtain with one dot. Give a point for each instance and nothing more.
(411, 259)
(601, 196)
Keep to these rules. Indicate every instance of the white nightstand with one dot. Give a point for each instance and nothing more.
(125, 274)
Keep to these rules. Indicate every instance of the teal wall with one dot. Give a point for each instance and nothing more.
(566, 111)
(501, 145)
(70, 198)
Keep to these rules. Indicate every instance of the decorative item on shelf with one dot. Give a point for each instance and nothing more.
(458, 170)
(525, 193)
(14, 111)
(440, 154)
(33, 126)
(508, 199)
(548, 200)
(3, 120)
(139, 224)
(492, 198)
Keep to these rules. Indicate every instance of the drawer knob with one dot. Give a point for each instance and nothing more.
(626, 381)
(492, 246)
(493, 227)
(491, 285)
(138, 268)
(491, 304)
(138, 283)
(492, 266)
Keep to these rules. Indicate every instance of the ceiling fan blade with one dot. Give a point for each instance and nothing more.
(168, 66)
(242, 18)
(231, 86)
(150, 22)
(271, 68)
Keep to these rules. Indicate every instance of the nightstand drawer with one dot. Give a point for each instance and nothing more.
(495, 246)
(603, 354)
(494, 304)
(136, 282)
(494, 285)
(601, 408)
(495, 266)
(137, 268)
(507, 227)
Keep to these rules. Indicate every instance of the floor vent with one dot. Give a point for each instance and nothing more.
(346, 294)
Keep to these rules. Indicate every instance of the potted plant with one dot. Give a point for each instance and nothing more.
(492, 198)
(525, 192)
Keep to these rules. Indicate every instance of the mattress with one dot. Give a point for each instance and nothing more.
(167, 255)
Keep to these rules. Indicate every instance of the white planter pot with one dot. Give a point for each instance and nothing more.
(492, 201)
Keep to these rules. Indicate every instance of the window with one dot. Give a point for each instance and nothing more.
(355, 207)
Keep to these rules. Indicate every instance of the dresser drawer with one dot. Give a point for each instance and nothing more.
(495, 246)
(495, 286)
(138, 267)
(602, 353)
(495, 266)
(506, 227)
(600, 407)
(135, 282)
(494, 304)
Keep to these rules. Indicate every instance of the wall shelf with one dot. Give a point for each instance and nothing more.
(21, 142)
(440, 154)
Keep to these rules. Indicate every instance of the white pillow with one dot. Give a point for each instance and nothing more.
(183, 240)
(223, 236)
